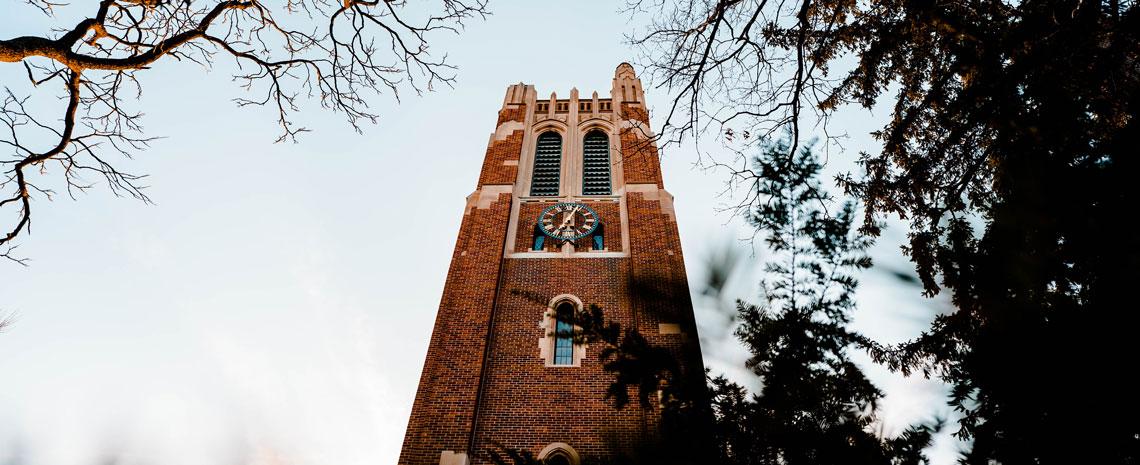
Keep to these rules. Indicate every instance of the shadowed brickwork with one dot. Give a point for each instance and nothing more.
(528, 404)
(442, 413)
(488, 377)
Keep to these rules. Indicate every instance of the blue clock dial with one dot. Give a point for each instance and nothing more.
(568, 221)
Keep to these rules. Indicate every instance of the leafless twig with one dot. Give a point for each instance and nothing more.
(339, 52)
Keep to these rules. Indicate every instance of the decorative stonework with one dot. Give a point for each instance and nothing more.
(488, 377)
(560, 448)
(549, 321)
(451, 458)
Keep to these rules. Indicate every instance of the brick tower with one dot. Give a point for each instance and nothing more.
(570, 206)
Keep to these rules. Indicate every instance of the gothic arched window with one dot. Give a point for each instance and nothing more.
(559, 453)
(557, 458)
(547, 164)
(564, 334)
(596, 163)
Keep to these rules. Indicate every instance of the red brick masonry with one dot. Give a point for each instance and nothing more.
(484, 380)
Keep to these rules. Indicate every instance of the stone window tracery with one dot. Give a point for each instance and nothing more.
(557, 346)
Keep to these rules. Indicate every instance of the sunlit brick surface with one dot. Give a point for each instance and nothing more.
(486, 380)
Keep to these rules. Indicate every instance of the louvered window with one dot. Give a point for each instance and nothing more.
(547, 165)
(596, 164)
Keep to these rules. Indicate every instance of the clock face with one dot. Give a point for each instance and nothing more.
(568, 221)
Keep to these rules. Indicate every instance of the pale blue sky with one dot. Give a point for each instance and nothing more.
(278, 298)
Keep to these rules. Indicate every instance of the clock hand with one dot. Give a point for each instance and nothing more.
(569, 218)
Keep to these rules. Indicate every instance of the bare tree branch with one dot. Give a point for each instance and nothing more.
(744, 70)
(6, 321)
(350, 51)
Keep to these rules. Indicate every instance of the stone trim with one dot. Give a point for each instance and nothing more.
(570, 198)
(485, 196)
(652, 192)
(548, 124)
(596, 122)
(505, 130)
(448, 457)
(587, 254)
(560, 447)
(549, 321)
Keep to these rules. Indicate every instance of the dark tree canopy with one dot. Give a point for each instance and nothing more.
(338, 52)
(1008, 148)
(815, 405)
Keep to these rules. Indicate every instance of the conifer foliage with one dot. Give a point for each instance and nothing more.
(1008, 146)
(816, 406)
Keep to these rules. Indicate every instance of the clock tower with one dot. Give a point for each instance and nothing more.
(570, 207)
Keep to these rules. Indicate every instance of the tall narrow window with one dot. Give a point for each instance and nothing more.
(564, 334)
(547, 165)
(539, 238)
(600, 237)
(596, 164)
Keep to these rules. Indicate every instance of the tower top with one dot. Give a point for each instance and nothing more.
(625, 70)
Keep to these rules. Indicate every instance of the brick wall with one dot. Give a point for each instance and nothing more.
(634, 111)
(528, 405)
(496, 170)
(640, 164)
(443, 411)
(659, 289)
(487, 336)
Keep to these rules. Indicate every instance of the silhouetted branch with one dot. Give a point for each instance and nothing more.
(738, 68)
(6, 321)
(362, 48)
(1007, 147)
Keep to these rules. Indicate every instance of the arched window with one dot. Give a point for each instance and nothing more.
(564, 334)
(559, 453)
(596, 163)
(547, 165)
(557, 458)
